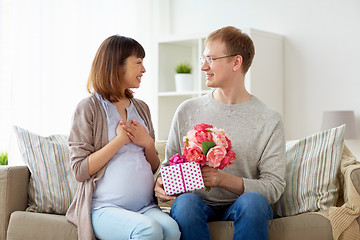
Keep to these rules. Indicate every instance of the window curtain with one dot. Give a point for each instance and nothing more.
(46, 51)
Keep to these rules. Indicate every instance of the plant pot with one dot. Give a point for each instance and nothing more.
(184, 82)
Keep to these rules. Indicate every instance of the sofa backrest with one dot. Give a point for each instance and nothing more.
(161, 145)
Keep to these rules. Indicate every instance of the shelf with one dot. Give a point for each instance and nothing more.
(173, 93)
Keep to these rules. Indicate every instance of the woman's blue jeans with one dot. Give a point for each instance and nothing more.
(117, 223)
(250, 213)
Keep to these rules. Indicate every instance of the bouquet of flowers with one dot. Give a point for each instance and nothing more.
(206, 145)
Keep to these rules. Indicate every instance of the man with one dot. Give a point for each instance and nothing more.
(243, 192)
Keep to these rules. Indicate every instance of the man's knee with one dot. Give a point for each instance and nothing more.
(186, 202)
(253, 203)
(187, 206)
(253, 198)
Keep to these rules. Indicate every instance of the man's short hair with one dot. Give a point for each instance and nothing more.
(236, 42)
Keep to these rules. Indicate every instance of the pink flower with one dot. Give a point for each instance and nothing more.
(203, 136)
(194, 154)
(229, 147)
(202, 127)
(220, 138)
(185, 150)
(219, 153)
(215, 156)
(228, 160)
(190, 139)
(177, 159)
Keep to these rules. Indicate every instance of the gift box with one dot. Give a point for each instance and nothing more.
(180, 178)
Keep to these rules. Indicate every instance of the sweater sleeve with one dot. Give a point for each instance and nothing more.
(270, 183)
(81, 140)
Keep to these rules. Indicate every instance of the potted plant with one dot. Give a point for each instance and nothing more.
(3, 158)
(183, 77)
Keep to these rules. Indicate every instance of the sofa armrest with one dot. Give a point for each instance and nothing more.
(355, 178)
(13, 193)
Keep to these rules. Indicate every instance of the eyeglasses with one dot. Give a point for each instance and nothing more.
(209, 60)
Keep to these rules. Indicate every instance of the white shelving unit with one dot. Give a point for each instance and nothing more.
(264, 79)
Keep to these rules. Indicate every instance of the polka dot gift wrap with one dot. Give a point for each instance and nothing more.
(180, 178)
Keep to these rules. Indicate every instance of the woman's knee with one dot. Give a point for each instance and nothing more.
(148, 229)
(171, 231)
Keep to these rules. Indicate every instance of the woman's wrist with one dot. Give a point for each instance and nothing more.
(121, 140)
(150, 144)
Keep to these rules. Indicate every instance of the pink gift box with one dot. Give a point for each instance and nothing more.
(180, 178)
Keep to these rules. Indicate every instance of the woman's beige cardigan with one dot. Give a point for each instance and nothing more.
(89, 133)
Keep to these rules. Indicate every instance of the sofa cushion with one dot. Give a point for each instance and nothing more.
(29, 225)
(52, 184)
(312, 173)
(308, 226)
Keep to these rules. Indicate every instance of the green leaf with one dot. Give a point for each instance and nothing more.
(183, 68)
(206, 146)
(3, 158)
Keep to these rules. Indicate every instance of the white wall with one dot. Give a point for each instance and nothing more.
(49, 46)
(321, 49)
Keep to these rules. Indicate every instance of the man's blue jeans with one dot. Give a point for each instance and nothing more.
(250, 213)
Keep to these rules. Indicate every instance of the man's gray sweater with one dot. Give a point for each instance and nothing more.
(258, 139)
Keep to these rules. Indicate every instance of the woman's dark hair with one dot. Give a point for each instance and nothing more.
(107, 68)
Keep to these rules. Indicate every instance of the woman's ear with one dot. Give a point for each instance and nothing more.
(238, 63)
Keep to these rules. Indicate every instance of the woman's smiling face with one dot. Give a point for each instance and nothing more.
(133, 72)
